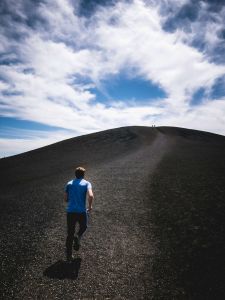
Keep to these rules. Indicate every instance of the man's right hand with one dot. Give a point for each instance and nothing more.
(89, 209)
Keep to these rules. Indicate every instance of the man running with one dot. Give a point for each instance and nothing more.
(76, 191)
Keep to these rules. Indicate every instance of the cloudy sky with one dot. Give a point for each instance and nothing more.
(71, 67)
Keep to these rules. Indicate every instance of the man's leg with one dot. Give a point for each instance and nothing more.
(71, 222)
(82, 223)
(82, 220)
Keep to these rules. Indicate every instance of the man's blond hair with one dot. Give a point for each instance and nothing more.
(80, 172)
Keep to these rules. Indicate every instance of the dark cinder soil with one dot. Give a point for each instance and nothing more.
(156, 230)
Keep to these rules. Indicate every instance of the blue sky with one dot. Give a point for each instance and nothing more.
(74, 67)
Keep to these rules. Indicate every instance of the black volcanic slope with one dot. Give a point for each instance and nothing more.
(157, 230)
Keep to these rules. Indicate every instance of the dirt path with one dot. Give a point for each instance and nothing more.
(117, 251)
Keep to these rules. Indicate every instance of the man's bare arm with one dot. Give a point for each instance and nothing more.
(90, 199)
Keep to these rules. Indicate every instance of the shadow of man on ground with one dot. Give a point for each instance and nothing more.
(63, 269)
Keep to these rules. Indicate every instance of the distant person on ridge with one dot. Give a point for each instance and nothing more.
(76, 191)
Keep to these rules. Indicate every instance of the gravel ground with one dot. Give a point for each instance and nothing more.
(156, 231)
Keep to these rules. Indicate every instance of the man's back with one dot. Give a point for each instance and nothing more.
(76, 190)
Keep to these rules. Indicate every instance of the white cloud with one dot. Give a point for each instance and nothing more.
(207, 117)
(3, 86)
(206, 28)
(34, 139)
(56, 67)
(139, 41)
